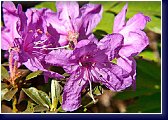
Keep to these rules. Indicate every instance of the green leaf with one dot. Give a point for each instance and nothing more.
(106, 23)
(60, 109)
(34, 74)
(146, 104)
(56, 89)
(148, 8)
(148, 81)
(3, 92)
(4, 85)
(107, 5)
(154, 25)
(50, 5)
(9, 95)
(38, 96)
(149, 55)
(44, 97)
(148, 89)
(39, 108)
(98, 90)
(4, 73)
(30, 108)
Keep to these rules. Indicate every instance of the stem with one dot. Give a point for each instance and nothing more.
(10, 64)
(14, 104)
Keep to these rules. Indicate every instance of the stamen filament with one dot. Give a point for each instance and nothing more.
(40, 42)
(44, 47)
(91, 95)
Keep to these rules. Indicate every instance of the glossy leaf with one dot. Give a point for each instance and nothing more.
(38, 96)
(33, 74)
(106, 23)
(30, 107)
(50, 5)
(149, 55)
(56, 89)
(98, 90)
(39, 108)
(3, 92)
(9, 95)
(4, 73)
(4, 85)
(60, 109)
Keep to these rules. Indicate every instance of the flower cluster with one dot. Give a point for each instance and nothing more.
(40, 38)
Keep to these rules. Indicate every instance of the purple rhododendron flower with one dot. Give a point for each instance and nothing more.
(135, 40)
(87, 63)
(28, 34)
(74, 23)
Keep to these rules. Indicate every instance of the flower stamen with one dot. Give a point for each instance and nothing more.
(72, 37)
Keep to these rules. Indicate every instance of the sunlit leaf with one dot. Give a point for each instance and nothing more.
(4, 73)
(149, 8)
(45, 97)
(56, 89)
(149, 55)
(9, 95)
(39, 108)
(3, 92)
(34, 74)
(106, 23)
(4, 85)
(30, 107)
(50, 5)
(60, 109)
(38, 96)
(98, 90)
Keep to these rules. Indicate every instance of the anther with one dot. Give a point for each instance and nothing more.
(30, 30)
(39, 31)
(80, 64)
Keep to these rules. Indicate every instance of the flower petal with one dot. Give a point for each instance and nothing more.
(6, 40)
(58, 57)
(112, 43)
(50, 74)
(119, 21)
(91, 14)
(137, 22)
(33, 64)
(9, 32)
(134, 43)
(66, 11)
(114, 77)
(128, 64)
(52, 19)
(72, 92)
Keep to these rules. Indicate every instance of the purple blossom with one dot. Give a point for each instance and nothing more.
(28, 34)
(87, 63)
(135, 40)
(74, 23)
